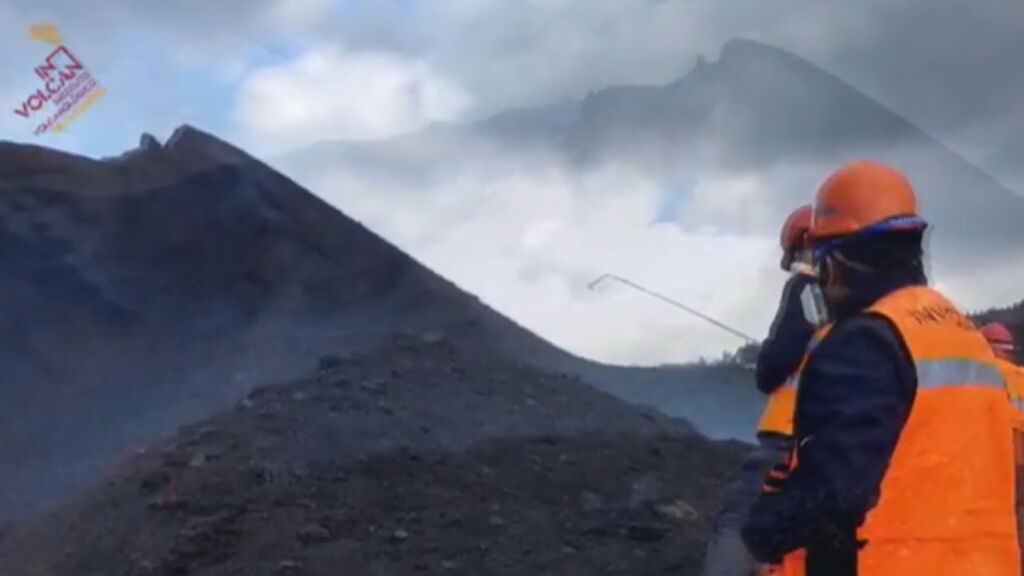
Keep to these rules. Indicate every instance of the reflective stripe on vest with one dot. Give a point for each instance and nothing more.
(940, 372)
(777, 417)
(946, 502)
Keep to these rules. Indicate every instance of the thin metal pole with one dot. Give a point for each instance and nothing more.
(671, 302)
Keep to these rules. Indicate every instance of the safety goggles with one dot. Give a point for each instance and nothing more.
(823, 248)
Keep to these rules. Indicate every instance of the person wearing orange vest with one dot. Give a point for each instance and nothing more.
(1003, 345)
(777, 361)
(903, 459)
(790, 332)
(1001, 340)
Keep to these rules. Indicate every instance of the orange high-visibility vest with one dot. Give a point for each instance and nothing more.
(1014, 376)
(946, 504)
(777, 417)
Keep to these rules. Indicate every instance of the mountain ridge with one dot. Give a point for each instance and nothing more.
(756, 110)
(213, 274)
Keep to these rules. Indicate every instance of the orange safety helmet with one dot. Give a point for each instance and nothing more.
(864, 196)
(999, 338)
(795, 229)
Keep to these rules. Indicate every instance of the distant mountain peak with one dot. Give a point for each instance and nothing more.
(746, 49)
(185, 134)
(192, 143)
(149, 142)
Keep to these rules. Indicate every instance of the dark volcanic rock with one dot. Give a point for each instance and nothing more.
(147, 291)
(571, 483)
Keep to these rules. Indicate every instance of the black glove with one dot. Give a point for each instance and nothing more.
(834, 552)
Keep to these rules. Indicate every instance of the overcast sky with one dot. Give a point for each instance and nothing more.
(950, 65)
(275, 75)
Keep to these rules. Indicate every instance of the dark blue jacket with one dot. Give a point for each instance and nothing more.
(787, 340)
(855, 395)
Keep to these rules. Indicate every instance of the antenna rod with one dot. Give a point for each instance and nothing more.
(592, 285)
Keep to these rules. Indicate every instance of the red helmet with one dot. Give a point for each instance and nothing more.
(794, 231)
(999, 337)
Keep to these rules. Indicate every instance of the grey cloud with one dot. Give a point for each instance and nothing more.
(222, 26)
(758, 130)
(950, 66)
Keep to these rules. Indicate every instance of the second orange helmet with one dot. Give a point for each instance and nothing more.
(795, 228)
